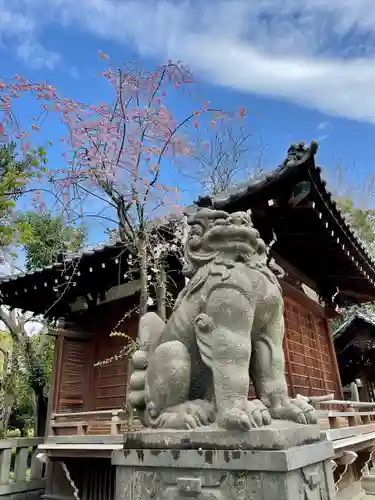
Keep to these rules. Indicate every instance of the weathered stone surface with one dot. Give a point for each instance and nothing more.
(227, 327)
(277, 436)
(297, 473)
(255, 460)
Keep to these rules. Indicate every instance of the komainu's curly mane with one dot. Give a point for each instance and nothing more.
(228, 237)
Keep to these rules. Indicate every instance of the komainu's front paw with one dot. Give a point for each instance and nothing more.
(297, 410)
(186, 416)
(252, 414)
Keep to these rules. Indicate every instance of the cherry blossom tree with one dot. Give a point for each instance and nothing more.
(120, 156)
(122, 152)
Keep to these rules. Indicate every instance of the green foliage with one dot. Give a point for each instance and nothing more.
(9, 354)
(31, 374)
(38, 360)
(362, 220)
(13, 179)
(15, 174)
(34, 376)
(22, 416)
(45, 236)
(6, 345)
(26, 360)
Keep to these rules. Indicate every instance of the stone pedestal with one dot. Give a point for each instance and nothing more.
(283, 461)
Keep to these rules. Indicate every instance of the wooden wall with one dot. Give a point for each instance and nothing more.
(79, 385)
(311, 366)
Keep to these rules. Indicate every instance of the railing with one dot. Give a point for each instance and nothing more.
(350, 425)
(89, 423)
(20, 469)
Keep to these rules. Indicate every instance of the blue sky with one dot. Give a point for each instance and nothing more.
(306, 67)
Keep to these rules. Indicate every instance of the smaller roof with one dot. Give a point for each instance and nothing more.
(358, 317)
(64, 261)
(49, 290)
(91, 273)
(354, 343)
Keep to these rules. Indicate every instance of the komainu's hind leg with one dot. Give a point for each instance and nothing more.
(151, 327)
(167, 390)
(168, 377)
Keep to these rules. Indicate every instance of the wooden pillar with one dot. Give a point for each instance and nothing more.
(333, 355)
(56, 374)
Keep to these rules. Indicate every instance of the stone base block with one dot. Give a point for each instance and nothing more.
(218, 465)
(277, 436)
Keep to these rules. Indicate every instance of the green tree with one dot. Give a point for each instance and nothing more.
(15, 174)
(37, 357)
(363, 221)
(25, 360)
(46, 236)
(8, 375)
(14, 177)
(18, 403)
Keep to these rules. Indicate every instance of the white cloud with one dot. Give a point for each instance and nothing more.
(36, 56)
(18, 28)
(317, 53)
(323, 125)
(14, 22)
(73, 72)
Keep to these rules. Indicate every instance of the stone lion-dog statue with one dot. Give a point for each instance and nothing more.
(227, 327)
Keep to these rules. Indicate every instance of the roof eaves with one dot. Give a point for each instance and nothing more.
(67, 261)
(342, 328)
(349, 229)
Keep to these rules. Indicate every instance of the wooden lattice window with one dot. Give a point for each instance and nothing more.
(72, 385)
(309, 368)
